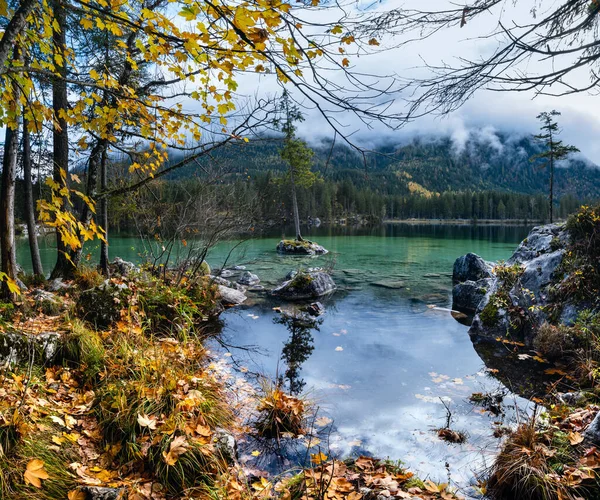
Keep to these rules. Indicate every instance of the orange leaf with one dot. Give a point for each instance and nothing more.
(35, 472)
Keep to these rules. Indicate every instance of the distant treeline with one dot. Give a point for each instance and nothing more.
(264, 199)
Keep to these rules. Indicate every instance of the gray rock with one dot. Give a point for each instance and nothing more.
(315, 309)
(239, 268)
(248, 279)
(57, 285)
(572, 398)
(123, 267)
(231, 296)
(539, 272)
(592, 433)
(305, 286)
(467, 296)
(470, 267)
(221, 281)
(226, 273)
(101, 493)
(305, 247)
(17, 348)
(541, 240)
(226, 445)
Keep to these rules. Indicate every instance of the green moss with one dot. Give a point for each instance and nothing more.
(7, 312)
(301, 280)
(490, 314)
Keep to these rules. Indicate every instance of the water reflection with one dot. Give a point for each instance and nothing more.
(298, 347)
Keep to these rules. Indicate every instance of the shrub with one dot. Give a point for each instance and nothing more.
(7, 312)
(88, 277)
(490, 315)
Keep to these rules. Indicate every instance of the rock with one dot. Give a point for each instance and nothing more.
(592, 433)
(315, 309)
(102, 305)
(239, 268)
(123, 267)
(305, 247)
(467, 296)
(393, 285)
(470, 267)
(47, 302)
(305, 285)
(572, 398)
(221, 281)
(16, 348)
(231, 296)
(226, 273)
(101, 493)
(538, 274)
(226, 446)
(248, 279)
(57, 285)
(540, 240)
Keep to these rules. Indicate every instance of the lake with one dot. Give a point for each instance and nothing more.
(383, 358)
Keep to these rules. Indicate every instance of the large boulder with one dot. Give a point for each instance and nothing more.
(305, 286)
(231, 297)
(470, 267)
(101, 305)
(122, 267)
(467, 296)
(304, 247)
(17, 348)
(509, 300)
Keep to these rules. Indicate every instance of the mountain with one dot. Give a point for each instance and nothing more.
(423, 165)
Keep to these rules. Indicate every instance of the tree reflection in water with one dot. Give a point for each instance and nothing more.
(298, 348)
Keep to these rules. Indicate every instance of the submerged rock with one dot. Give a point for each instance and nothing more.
(305, 247)
(305, 286)
(393, 285)
(231, 296)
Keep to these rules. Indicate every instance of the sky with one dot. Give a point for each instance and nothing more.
(507, 112)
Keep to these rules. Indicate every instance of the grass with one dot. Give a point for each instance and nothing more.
(527, 466)
(56, 460)
(280, 414)
(82, 348)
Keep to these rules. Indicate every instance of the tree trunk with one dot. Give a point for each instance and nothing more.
(29, 208)
(551, 189)
(104, 216)
(92, 184)
(11, 32)
(60, 138)
(295, 207)
(7, 208)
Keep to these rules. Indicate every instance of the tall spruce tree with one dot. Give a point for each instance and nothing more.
(554, 150)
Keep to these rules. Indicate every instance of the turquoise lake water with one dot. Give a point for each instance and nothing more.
(382, 357)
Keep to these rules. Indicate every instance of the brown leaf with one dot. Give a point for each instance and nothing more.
(178, 447)
(575, 438)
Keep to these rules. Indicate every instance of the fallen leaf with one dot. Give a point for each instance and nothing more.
(178, 447)
(339, 348)
(147, 421)
(575, 438)
(76, 495)
(35, 472)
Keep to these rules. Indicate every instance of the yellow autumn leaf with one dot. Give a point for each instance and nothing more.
(35, 472)
(318, 458)
(178, 447)
(146, 421)
(76, 495)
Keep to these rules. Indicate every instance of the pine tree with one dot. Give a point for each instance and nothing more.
(555, 150)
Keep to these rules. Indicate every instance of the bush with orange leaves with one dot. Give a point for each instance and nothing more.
(279, 413)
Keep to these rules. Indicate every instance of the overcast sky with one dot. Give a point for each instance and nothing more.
(507, 112)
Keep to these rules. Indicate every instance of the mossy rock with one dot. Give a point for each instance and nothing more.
(101, 306)
(300, 247)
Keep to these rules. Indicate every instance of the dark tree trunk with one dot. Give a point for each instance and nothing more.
(29, 208)
(60, 138)
(92, 184)
(7, 208)
(15, 26)
(104, 215)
